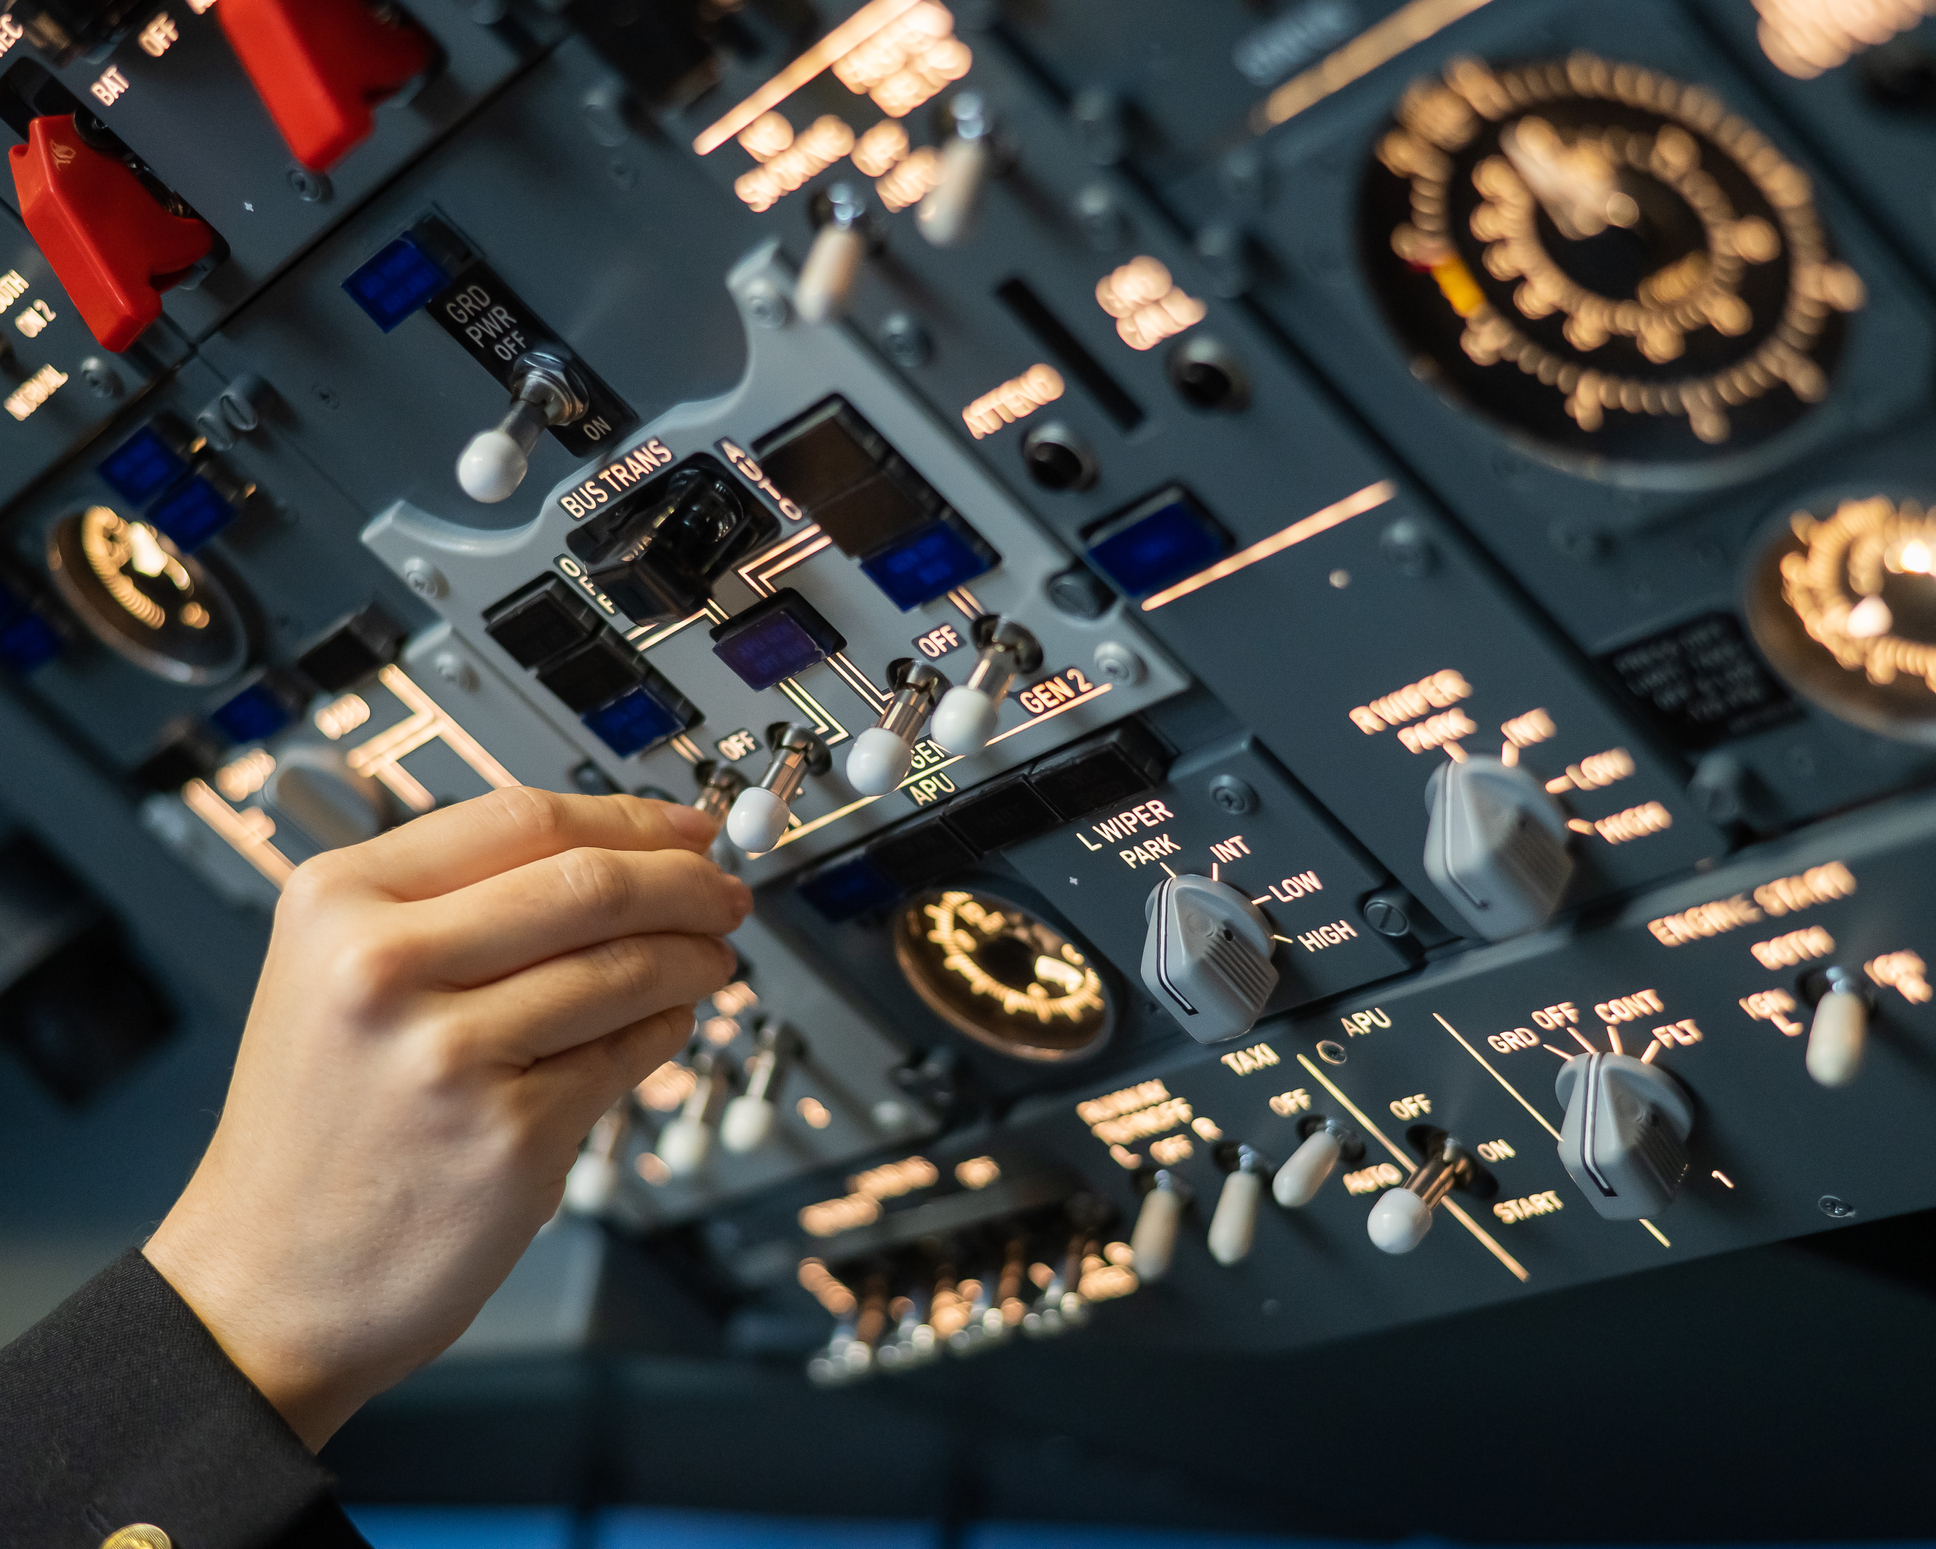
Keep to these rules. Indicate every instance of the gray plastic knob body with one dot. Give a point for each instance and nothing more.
(1207, 957)
(1624, 1141)
(1496, 846)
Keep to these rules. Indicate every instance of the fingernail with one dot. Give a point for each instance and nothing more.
(690, 823)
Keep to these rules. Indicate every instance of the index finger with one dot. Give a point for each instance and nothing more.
(461, 845)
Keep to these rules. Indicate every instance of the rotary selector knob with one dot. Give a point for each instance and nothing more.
(947, 212)
(1401, 1218)
(747, 1121)
(545, 391)
(1624, 1140)
(966, 717)
(882, 755)
(1303, 1174)
(1152, 1243)
(760, 814)
(1496, 846)
(1839, 1031)
(1207, 957)
(1233, 1224)
(833, 263)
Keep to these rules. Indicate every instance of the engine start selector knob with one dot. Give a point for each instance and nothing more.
(966, 717)
(1624, 1139)
(882, 755)
(762, 812)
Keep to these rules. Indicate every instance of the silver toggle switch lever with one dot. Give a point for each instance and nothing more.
(545, 391)
(687, 1140)
(719, 787)
(882, 755)
(1401, 1218)
(948, 210)
(833, 263)
(965, 718)
(748, 1119)
(1207, 956)
(1624, 1138)
(761, 812)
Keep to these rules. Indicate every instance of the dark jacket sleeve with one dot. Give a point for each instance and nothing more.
(119, 1407)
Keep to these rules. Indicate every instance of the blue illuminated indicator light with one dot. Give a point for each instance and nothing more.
(26, 639)
(1157, 544)
(396, 282)
(141, 467)
(930, 561)
(255, 713)
(189, 516)
(633, 722)
(850, 888)
(775, 639)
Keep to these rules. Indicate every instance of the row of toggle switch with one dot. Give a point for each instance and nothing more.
(962, 716)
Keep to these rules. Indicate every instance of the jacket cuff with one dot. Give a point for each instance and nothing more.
(119, 1407)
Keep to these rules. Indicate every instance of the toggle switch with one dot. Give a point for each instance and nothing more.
(760, 814)
(1496, 845)
(687, 1139)
(593, 1182)
(881, 755)
(1401, 1218)
(1207, 956)
(948, 209)
(719, 787)
(965, 719)
(1233, 1225)
(1624, 1138)
(1316, 1158)
(833, 263)
(113, 245)
(319, 67)
(545, 391)
(1153, 1242)
(1839, 1030)
(747, 1121)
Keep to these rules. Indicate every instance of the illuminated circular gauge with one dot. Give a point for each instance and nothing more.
(1844, 606)
(1002, 976)
(1603, 259)
(141, 595)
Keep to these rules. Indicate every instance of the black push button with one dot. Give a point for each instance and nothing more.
(842, 473)
(1004, 813)
(544, 620)
(1085, 779)
(352, 651)
(594, 674)
(923, 852)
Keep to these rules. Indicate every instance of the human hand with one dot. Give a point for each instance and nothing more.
(443, 1014)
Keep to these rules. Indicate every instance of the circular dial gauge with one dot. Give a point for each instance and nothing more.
(1002, 976)
(1603, 259)
(141, 595)
(1844, 606)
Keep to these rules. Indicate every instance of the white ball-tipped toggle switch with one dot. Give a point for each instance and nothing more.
(1152, 1244)
(545, 391)
(1233, 1224)
(1839, 1031)
(882, 755)
(1496, 846)
(1624, 1138)
(593, 1182)
(967, 714)
(947, 212)
(833, 263)
(1401, 1218)
(687, 1139)
(1207, 956)
(747, 1122)
(761, 813)
(1299, 1179)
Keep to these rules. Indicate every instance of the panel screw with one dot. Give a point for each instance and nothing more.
(424, 578)
(1835, 1209)
(904, 341)
(1233, 795)
(1079, 593)
(100, 378)
(1579, 543)
(1100, 218)
(765, 305)
(454, 670)
(1117, 663)
(1384, 916)
(1408, 549)
(310, 187)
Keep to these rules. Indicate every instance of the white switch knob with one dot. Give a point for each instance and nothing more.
(593, 1182)
(1153, 1242)
(748, 1120)
(967, 715)
(493, 466)
(687, 1140)
(746, 1124)
(882, 755)
(833, 262)
(1207, 956)
(1233, 1225)
(947, 212)
(1399, 1221)
(545, 390)
(760, 814)
(1299, 1179)
(1838, 1033)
